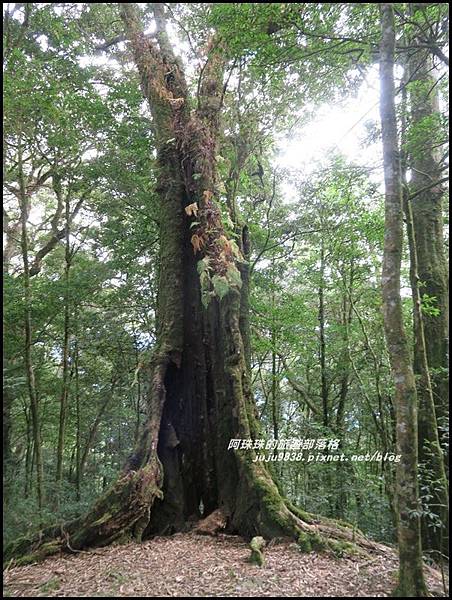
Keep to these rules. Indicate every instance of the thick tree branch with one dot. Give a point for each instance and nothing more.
(36, 265)
(428, 187)
(298, 388)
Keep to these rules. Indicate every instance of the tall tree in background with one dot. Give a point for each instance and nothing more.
(429, 277)
(411, 577)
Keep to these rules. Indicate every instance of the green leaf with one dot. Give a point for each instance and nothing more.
(202, 265)
(205, 299)
(233, 276)
(204, 280)
(220, 285)
(236, 252)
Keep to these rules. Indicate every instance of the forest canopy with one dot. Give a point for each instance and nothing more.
(225, 276)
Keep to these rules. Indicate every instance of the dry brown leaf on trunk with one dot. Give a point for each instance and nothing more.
(192, 209)
(197, 242)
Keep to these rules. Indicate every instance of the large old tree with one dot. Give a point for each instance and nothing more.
(199, 385)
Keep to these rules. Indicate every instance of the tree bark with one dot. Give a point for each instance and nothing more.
(432, 474)
(274, 380)
(411, 577)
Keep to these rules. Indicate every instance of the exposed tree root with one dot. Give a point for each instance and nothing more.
(273, 516)
(123, 512)
(119, 515)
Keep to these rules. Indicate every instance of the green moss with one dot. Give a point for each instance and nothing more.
(411, 590)
(340, 524)
(257, 558)
(46, 549)
(342, 548)
(345, 524)
(51, 585)
(304, 543)
(318, 542)
(124, 538)
(103, 519)
(256, 545)
(26, 559)
(17, 547)
(49, 548)
(275, 521)
(117, 576)
(301, 514)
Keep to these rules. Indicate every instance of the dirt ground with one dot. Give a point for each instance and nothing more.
(196, 565)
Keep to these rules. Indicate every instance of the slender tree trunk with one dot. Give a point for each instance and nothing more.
(138, 393)
(322, 343)
(411, 577)
(346, 319)
(65, 382)
(432, 472)
(36, 425)
(78, 474)
(92, 432)
(274, 388)
(7, 404)
(274, 393)
(138, 411)
(11, 234)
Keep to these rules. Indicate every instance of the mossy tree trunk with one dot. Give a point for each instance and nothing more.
(428, 276)
(427, 194)
(199, 393)
(432, 473)
(411, 577)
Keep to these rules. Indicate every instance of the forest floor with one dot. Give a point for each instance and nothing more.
(195, 565)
